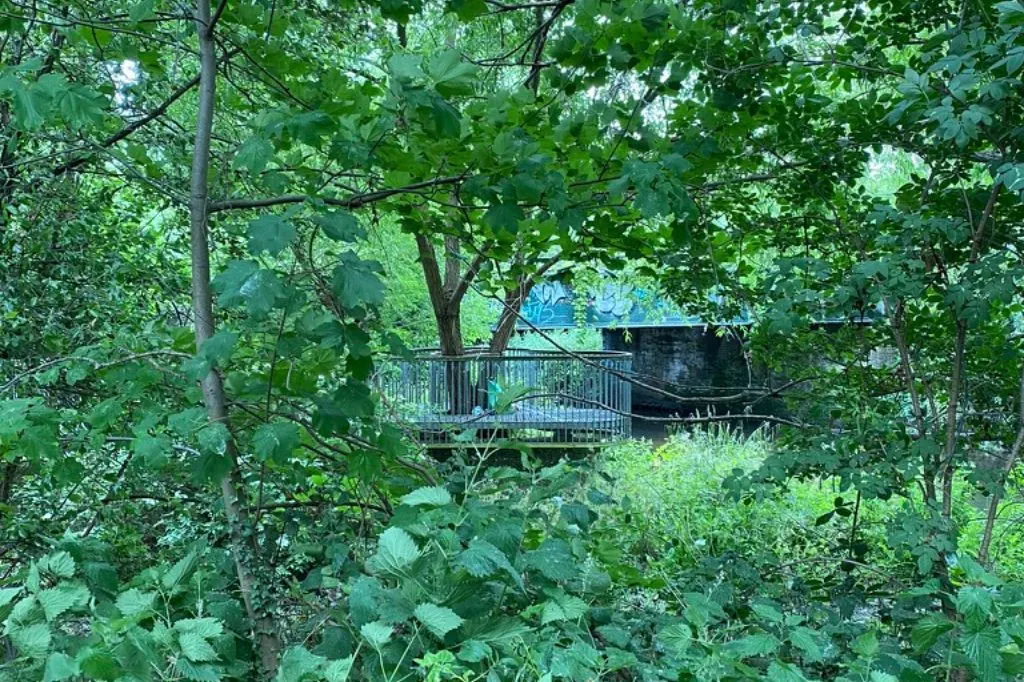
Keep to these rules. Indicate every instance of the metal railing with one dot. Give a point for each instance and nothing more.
(536, 397)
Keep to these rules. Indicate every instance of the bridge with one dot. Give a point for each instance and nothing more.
(689, 353)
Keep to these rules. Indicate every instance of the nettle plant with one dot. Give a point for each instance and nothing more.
(473, 581)
(71, 620)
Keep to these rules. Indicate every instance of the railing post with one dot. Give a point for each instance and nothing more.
(578, 398)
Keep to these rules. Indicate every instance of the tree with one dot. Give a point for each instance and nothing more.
(596, 132)
(940, 256)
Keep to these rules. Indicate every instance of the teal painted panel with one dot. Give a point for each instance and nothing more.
(553, 305)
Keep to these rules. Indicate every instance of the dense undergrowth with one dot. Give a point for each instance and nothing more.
(640, 564)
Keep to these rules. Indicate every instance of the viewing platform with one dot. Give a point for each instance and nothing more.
(538, 398)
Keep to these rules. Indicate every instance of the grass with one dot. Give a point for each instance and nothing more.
(674, 495)
(676, 515)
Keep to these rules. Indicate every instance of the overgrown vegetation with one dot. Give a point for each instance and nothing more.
(216, 217)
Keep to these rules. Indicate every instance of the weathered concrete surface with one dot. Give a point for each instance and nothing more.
(698, 358)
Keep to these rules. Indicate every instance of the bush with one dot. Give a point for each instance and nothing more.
(642, 568)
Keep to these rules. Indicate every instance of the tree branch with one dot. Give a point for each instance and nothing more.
(352, 202)
(138, 123)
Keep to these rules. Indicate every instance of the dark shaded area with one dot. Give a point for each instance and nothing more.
(694, 361)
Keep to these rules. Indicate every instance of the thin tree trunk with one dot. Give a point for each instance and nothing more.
(7, 481)
(502, 334)
(959, 351)
(997, 496)
(930, 463)
(202, 308)
(513, 304)
(952, 413)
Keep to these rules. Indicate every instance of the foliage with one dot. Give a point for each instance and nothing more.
(192, 411)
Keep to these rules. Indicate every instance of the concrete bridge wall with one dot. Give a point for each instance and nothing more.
(687, 356)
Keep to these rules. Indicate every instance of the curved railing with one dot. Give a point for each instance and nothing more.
(537, 397)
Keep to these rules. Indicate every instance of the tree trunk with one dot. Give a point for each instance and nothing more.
(449, 331)
(997, 496)
(7, 481)
(502, 335)
(461, 399)
(202, 308)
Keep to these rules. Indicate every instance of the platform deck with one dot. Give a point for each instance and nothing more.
(539, 419)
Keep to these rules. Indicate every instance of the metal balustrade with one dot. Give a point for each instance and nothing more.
(542, 398)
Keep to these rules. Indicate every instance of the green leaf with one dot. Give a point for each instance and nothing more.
(768, 612)
(779, 671)
(807, 640)
(452, 76)
(59, 564)
(434, 496)
(473, 651)
(396, 550)
(270, 233)
(180, 571)
(253, 155)
(579, 662)
(135, 602)
(761, 644)
(482, 559)
(982, 648)
(866, 645)
(440, 620)
(928, 630)
(974, 602)
(1013, 663)
(575, 513)
(214, 439)
(276, 440)
(14, 415)
(207, 628)
(1014, 61)
(152, 450)
(377, 634)
(676, 638)
(59, 667)
(341, 226)
(141, 11)
(700, 609)
(244, 283)
(356, 283)
(195, 648)
(28, 104)
(197, 672)
(562, 607)
(405, 67)
(215, 352)
(553, 559)
(33, 580)
(338, 671)
(187, 422)
(100, 665)
(503, 218)
(7, 595)
(57, 600)
(296, 663)
(467, 10)
(106, 412)
(33, 641)
(79, 106)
